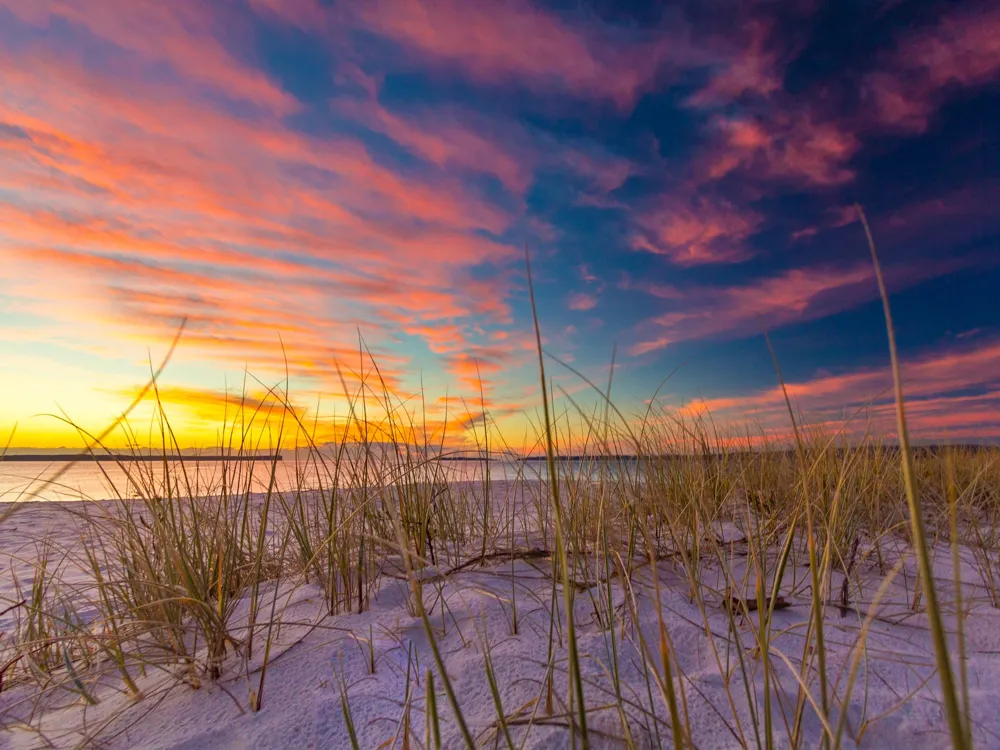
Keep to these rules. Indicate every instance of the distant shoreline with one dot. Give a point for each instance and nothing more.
(918, 450)
(64, 458)
(931, 449)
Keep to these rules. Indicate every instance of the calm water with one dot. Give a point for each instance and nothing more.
(93, 481)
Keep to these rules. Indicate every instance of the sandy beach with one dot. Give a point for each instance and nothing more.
(496, 609)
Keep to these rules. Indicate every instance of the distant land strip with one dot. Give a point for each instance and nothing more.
(66, 458)
(917, 450)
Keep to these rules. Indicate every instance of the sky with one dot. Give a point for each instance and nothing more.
(318, 186)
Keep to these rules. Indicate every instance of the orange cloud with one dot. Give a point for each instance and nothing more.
(160, 205)
(478, 366)
(260, 420)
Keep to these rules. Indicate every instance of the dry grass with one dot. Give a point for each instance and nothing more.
(179, 573)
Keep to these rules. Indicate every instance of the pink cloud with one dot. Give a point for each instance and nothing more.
(936, 386)
(790, 141)
(695, 230)
(458, 139)
(836, 216)
(969, 333)
(182, 34)
(750, 69)
(793, 296)
(581, 301)
(788, 147)
(962, 50)
(603, 171)
(441, 137)
(517, 42)
(587, 274)
(305, 14)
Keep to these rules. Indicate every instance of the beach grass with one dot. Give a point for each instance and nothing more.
(759, 545)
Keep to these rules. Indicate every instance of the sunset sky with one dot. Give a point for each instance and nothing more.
(294, 173)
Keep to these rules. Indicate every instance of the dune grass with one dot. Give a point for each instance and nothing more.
(186, 573)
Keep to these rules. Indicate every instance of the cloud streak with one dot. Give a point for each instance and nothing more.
(796, 295)
(951, 394)
(518, 43)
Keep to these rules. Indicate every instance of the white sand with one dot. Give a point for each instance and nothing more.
(894, 702)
